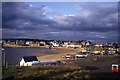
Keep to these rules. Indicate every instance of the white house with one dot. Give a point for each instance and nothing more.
(29, 42)
(98, 44)
(55, 44)
(71, 45)
(32, 60)
(27, 60)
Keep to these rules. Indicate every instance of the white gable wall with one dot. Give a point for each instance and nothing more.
(22, 62)
(28, 64)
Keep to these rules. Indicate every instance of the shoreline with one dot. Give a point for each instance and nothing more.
(54, 55)
(25, 47)
(21, 46)
(46, 47)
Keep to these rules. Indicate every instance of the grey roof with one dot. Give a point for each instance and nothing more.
(30, 58)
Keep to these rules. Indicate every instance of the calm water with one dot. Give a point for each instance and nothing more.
(13, 55)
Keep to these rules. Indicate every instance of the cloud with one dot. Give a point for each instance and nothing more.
(54, 32)
(96, 18)
(91, 22)
(16, 14)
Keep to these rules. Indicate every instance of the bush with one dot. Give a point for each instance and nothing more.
(72, 55)
(80, 52)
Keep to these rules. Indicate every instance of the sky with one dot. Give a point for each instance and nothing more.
(93, 21)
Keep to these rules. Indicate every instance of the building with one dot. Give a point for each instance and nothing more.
(88, 43)
(42, 43)
(20, 42)
(27, 60)
(55, 44)
(32, 60)
(34, 44)
(98, 44)
(29, 42)
(70, 46)
(13, 42)
(78, 45)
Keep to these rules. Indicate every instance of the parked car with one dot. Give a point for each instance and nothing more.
(118, 52)
(116, 67)
(92, 53)
(81, 56)
(105, 53)
(68, 57)
(88, 53)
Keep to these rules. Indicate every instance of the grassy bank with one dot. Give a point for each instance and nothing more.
(87, 61)
(45, 73)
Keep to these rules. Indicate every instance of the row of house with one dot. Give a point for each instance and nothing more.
(108, 46)
(70, 44)
(53, 43)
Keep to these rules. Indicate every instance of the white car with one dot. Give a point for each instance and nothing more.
(68, 56)
(80, 56)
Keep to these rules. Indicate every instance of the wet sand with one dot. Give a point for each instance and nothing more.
(55, 54)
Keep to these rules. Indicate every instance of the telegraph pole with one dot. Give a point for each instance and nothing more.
(3, 52)
(3, 57)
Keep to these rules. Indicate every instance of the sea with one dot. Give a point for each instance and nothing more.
(13, 55)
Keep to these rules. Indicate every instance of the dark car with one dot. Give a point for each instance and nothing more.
(105, 53)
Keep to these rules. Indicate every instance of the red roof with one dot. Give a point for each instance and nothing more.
(98, 43)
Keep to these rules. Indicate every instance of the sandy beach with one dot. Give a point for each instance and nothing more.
(55, 54)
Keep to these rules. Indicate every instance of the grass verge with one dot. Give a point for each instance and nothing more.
(45, 73)
(87, 61)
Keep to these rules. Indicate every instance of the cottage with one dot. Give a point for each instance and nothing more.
(55, 44)
(32, 60)
(27, 60)
(29, 42)
(78, 45)
(70, 45)
(98, 44)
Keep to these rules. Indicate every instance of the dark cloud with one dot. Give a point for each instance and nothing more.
(96, 18)
(92, 22)
(23, 16)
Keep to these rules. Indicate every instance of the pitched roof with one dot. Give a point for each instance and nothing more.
(98, 43)
(30, 58)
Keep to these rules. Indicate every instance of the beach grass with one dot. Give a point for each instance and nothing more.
(87, 61)
(45, 73)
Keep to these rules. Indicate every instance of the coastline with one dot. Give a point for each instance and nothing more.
(54, 55)
(21, 46)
